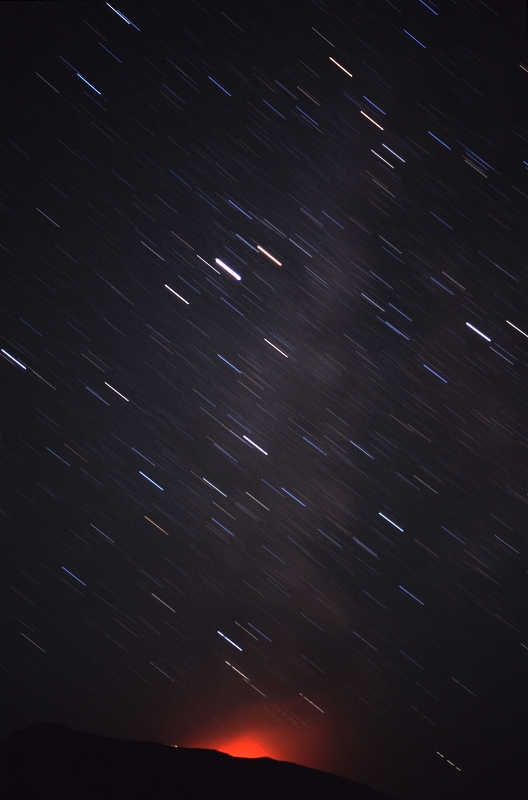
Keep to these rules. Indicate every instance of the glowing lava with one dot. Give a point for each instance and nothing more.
(252, 732)
(248, 745)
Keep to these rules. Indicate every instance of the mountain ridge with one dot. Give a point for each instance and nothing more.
(51, 762)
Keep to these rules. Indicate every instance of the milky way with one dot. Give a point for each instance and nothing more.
(264, 339)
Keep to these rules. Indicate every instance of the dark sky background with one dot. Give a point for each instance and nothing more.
(283, 503)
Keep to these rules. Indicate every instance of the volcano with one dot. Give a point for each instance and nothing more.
(52, 762)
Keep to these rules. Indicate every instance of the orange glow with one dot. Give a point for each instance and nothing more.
(252, 733)
(248, 745)
(285, 732)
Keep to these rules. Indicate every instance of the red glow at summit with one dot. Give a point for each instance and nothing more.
(249, 735)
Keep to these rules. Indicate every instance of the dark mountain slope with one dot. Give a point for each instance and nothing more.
(52, 762)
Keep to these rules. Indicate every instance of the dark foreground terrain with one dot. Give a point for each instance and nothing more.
(55, 763)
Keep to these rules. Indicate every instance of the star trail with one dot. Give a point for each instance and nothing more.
(264, 381)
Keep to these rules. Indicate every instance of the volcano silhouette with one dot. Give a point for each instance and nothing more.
(51, 762)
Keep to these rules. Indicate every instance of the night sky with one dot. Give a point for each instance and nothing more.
(263, 337)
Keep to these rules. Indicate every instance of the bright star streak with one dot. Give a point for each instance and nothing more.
(12, 358)
(479, 332)
(151, 481)
(340, 67)
(255, 445)
(177, 295)
(229, 640)
(230, 271)
(269, 255)
(507, 322)
(391, 522)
